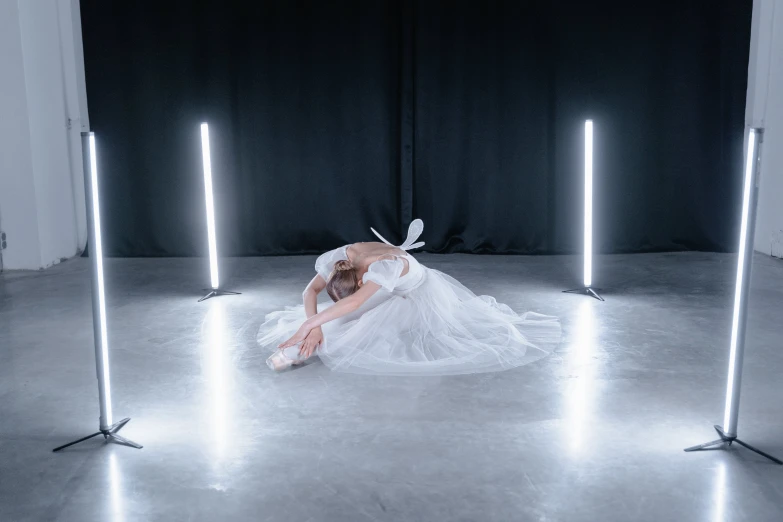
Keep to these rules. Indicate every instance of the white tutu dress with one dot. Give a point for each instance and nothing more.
(422, 323)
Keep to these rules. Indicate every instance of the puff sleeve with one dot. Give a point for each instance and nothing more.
(385, 272)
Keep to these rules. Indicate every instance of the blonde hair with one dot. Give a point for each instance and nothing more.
(343, 281)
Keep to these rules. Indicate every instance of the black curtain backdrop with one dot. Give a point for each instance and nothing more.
(327, 118)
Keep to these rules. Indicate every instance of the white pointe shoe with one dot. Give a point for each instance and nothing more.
(279, 361)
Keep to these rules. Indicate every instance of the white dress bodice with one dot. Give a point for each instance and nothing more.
(384, 272)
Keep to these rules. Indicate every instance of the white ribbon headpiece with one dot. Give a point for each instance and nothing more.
(414, 231)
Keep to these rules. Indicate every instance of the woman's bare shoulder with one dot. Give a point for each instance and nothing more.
(370, 246)
(365, 254)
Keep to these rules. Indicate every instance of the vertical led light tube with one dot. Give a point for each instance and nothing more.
(750, 186)
(107, 428)
(207, 161)
(588, 220)
(98, 292)
(742, 284)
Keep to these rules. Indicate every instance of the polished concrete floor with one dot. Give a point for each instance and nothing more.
(593, 433)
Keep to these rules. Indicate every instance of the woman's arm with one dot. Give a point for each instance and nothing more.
(343, 306)
(339, 309)
(310, 295)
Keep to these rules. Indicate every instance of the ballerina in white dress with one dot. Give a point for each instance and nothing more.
(394, 316)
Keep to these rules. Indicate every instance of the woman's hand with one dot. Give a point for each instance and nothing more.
(311, 342)
(297, 338)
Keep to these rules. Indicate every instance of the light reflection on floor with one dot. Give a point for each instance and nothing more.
(580, 394)
(115, 485)
(216, 365)
(720, 493)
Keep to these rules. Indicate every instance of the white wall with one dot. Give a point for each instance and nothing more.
(75, 102)
(17, 185)
(41, 192)
(765, 109)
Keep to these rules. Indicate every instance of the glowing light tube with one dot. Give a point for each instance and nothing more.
(742, 283)
(98, 292)
(588, 275)
(207, 161)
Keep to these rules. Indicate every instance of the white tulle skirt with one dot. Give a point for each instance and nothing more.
(439, 328)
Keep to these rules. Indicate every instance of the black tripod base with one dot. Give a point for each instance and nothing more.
(728, 440)
(109, 435)
(585, 291)
(215, 292)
